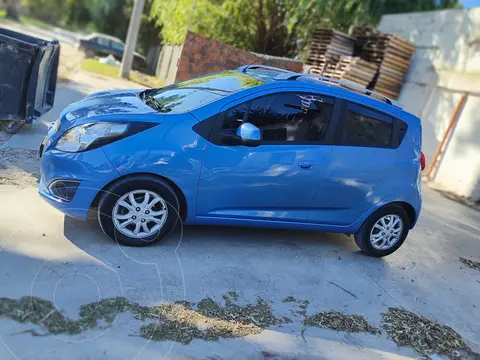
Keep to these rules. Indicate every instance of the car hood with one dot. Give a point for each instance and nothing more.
(106, 104)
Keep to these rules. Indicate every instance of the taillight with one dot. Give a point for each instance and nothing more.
(423, 161)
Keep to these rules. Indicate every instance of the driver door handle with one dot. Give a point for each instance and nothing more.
(305, 165)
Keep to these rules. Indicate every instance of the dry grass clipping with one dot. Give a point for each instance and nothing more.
(470, 263)
(209, 321)
(338, 321)
(181, 321)
(424, 336)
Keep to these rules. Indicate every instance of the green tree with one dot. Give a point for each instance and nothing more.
(274, 26)
(12, 10)
(111, 16)
(51, 11)
(149, 34)
(78, 12)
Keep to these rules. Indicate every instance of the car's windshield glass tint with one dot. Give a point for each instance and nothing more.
(193, 93)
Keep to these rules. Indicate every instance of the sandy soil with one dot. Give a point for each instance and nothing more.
(19, 167)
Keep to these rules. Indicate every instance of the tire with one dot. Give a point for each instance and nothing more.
(362, 236)
(140, 185)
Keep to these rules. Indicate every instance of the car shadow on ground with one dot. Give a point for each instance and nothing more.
(203, 236)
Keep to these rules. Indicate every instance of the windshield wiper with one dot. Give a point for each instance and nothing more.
(151, 101)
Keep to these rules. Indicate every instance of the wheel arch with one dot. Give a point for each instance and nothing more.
(408, 208)
(178, 192)
(411, 212)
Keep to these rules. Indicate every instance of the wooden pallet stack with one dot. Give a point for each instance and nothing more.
(380, 61)
(392, 53)
(361, 35)
(356, 70)
(326, 48)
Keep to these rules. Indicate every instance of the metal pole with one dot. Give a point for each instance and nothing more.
(132, 35)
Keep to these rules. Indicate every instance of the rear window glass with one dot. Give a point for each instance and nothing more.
(365, 127)
(194, 93)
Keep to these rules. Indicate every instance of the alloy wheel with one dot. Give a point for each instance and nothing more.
(139, 213)
(386, 232)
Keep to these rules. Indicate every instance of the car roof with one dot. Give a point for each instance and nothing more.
(105, 36)
(343, 89)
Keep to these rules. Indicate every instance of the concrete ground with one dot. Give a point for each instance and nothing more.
(71, 263)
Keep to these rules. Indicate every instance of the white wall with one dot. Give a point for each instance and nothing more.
(446, 65)
(168, 63)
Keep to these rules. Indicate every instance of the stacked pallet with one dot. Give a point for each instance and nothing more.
(392, 53)
(356, 70)
(327, 46)
(380, 61)
(318, 64)
(362, 35)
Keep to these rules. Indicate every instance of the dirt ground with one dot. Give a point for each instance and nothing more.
(19, 167)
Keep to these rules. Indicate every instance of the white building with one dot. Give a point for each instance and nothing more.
(445, 66)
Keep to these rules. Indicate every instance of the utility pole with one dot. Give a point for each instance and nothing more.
(132, 35)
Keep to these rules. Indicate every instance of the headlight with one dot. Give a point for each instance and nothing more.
(87, 136)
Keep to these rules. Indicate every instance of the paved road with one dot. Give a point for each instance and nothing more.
(54, 33)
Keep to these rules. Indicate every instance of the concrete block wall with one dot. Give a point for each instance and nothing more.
(201, 55)
(445, 66)
(168, 63)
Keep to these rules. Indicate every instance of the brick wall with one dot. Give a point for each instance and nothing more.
(201, 55)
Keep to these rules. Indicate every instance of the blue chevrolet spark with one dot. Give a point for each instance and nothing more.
(257, 146)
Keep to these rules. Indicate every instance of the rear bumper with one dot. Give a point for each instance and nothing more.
(91, 169)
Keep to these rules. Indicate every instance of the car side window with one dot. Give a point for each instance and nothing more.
(103, 41)
(117, 46)
(284, 117)
(366, 127)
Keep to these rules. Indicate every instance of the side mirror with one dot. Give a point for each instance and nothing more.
(250, 134)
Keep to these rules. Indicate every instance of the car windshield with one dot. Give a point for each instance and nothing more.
(191, 94)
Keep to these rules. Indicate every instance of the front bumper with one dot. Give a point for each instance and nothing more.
(91, 169)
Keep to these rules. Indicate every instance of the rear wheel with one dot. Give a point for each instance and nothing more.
(138, 211)
(384, 231)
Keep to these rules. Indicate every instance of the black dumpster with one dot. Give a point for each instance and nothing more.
(28, 76)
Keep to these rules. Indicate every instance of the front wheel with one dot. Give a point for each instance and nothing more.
(138, 211)
(384, 231)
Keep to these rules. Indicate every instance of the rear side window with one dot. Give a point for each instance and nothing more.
(103, 41)
(284, 117)
(366, 127)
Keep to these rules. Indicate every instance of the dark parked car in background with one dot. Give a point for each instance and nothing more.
(103, 45)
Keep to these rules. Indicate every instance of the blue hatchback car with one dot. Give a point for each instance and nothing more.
(257, 146)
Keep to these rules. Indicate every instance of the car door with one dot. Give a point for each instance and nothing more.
(104, 45)
(277, 179)
(117, 48)
(363, 167)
